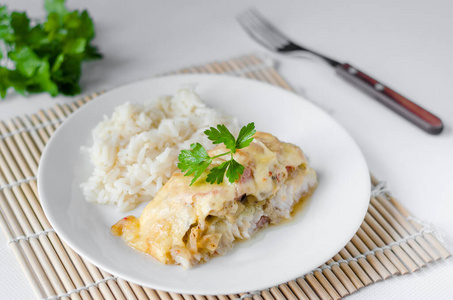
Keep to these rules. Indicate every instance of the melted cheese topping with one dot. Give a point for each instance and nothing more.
(190, 224)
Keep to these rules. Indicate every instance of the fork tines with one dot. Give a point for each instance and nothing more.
(262, 30)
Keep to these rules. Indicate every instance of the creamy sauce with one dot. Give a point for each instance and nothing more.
(301, 205)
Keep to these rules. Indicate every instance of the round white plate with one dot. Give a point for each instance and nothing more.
(276, 254)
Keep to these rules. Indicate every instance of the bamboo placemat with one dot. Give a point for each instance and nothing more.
(389, 242)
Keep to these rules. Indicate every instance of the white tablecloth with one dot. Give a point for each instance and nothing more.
(406, 44)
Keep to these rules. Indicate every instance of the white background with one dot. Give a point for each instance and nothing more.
(406, 44)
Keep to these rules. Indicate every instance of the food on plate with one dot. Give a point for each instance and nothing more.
(196, 160)
(188, 223)
(135, 151)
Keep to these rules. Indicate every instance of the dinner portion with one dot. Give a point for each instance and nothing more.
(207, 187)
(222, 150)
(189, 222)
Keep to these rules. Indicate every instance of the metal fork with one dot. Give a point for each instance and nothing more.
(267, 35)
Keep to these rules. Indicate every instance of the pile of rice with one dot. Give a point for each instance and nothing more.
(135, 151)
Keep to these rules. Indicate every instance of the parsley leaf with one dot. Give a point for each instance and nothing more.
(221, 135)
(194, 161)
(197, 160)
(245, 136)
(216, 174)
(234, 170)
(46, 56)
(55, 6)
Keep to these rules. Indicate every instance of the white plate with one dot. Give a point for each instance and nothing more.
(275, 255)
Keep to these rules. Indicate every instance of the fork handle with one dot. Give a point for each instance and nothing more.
(398, 103)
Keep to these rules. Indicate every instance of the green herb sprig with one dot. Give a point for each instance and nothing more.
(47, 56)
(196, 160)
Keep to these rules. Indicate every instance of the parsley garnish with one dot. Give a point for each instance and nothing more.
(197, 160)
(45, 56)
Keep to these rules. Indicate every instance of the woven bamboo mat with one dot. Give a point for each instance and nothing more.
(389, 242)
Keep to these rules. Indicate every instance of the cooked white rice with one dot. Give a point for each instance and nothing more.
(135, 151)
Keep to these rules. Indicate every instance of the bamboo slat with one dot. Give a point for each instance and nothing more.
(409, 228)
(296, 289)
(389, 242)
(346, 268)
(341, 276)
(371, 258)
(364, 238)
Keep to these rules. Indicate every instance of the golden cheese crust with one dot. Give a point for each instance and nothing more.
(189, 224)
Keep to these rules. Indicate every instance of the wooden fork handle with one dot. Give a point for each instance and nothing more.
(398, 103)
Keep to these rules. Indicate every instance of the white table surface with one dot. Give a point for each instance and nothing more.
(408, 45)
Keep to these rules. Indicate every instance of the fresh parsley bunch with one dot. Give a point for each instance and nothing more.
(197, 160)
(47, 56)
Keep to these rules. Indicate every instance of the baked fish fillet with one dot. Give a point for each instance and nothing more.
(190, 224)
